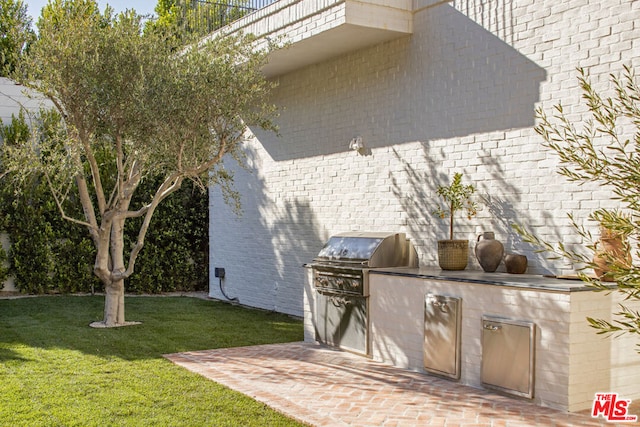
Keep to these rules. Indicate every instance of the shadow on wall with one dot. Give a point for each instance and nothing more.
(451, 78)
(263, 250)
(415, 188)
(295, 239)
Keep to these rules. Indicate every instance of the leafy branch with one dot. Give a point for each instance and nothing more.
(602, 150)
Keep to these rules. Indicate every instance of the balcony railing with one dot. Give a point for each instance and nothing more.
(313, 31)
(205, 16)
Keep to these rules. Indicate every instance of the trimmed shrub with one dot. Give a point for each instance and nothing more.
(51, 255)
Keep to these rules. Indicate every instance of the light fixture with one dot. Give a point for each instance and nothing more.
(357, 145)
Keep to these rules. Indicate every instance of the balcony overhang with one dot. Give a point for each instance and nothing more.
(316, 30)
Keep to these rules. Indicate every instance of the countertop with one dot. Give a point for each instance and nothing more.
(527, 281)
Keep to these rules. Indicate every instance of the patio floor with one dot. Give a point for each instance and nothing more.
(323, 386)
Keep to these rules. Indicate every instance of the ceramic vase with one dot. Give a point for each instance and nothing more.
(515, 263)
(489, 251)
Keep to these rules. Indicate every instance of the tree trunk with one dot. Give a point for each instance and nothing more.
(111, 271)
(114, 304)
(114, 299)
(452, 213)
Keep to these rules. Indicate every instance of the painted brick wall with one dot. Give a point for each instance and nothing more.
(611, 363)
(457, 95)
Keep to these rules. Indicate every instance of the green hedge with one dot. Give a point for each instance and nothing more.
(175, 256)
(47, 254)
(51, 255)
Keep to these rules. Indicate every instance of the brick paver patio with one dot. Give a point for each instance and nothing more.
(322, 386)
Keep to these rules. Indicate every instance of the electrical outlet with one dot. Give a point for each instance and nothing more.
(219, 272)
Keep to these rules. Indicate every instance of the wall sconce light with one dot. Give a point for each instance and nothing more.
(357, 145)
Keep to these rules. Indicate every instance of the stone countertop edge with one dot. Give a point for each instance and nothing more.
(525, 281)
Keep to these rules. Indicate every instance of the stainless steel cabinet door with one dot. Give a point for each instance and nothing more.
(341, 321)
(441, 347)
(508, 355)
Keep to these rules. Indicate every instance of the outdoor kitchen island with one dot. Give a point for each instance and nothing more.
(569, 362)
(565, 361)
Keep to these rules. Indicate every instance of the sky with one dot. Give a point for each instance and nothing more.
(143, 7)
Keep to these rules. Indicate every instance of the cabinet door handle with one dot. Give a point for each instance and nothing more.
(492, 328)
(442, 305)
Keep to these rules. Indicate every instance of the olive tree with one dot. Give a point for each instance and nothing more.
(603, 149)
(15, 34)
(133, 108)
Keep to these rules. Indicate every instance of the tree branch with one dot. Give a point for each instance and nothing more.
(169, 186)
(136, 214)
(119, 165)
(95, 173)
(63, 214)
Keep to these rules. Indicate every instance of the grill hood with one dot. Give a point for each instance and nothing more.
(370, 249)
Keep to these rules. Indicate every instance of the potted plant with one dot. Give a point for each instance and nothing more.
(612, 254)
(453, 254)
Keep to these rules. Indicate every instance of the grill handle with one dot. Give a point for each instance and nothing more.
(339, 301)
(333, 294)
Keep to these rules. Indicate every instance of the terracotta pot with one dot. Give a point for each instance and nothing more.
(515, 263)
(453, 254)
(611, 250)
(489, 251)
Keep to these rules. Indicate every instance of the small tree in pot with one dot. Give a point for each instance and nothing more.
(454, 254)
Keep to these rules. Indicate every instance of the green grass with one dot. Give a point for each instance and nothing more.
(56, 371)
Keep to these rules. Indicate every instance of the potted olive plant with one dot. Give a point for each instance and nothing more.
(453, 254)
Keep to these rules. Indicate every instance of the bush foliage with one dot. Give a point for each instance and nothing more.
(175, 256)
(51, 255)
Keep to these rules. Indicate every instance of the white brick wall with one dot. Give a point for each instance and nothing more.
(457, 95)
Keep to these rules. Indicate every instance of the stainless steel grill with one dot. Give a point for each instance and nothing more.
(341, 281)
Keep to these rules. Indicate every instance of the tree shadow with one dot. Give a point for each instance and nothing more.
(415, 187)
(263, 249)
(7, 354)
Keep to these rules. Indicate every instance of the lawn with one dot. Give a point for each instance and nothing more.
(56, 371)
